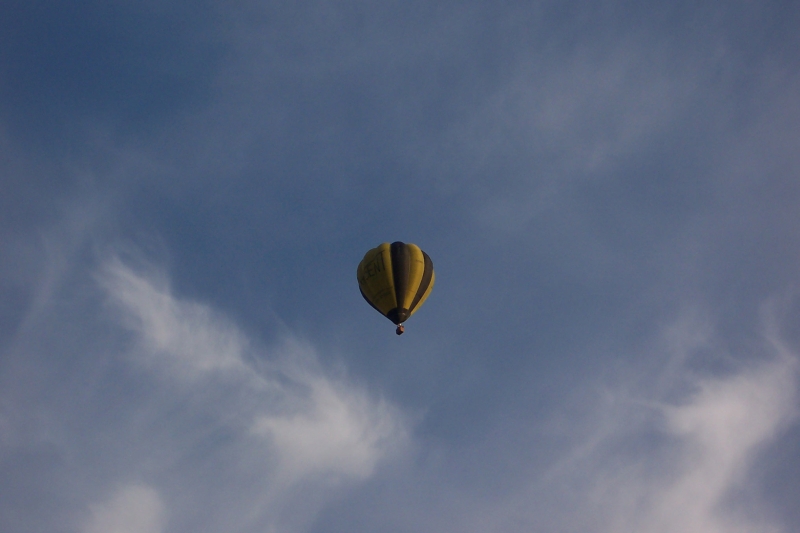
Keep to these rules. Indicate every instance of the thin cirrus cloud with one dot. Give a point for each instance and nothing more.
(132, 509)
(314, 430)
(680, 456)
(709, 445)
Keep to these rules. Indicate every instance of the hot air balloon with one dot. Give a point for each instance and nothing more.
(396, 279)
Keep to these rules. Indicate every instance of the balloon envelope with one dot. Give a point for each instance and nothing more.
(396, 279)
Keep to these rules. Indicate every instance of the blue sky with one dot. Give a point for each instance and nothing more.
(608, 191)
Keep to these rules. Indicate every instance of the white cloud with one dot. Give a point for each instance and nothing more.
(133, 509)
(291, 422)
(185, 335)
(713, 438)
(340, 433)
(678, 467)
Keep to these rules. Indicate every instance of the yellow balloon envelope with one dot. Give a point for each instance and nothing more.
(396, 279)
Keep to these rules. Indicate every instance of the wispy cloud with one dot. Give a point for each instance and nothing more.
(314, 429)
(133, 509)
(718, 432)
(702, 456)
(673, 452)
